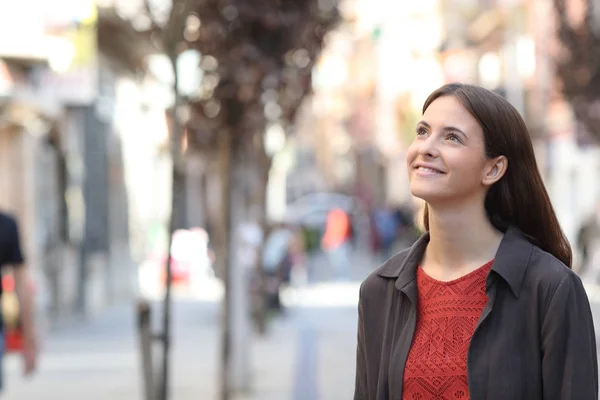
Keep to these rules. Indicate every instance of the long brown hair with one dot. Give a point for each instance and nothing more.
(519, 198)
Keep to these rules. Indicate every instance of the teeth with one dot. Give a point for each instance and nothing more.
(428, 170)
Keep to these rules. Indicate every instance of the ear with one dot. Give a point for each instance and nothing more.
(495, 170)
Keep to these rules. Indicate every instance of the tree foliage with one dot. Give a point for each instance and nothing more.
(257, 57)
(578, 61)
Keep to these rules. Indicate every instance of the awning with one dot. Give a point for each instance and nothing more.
(33, 113)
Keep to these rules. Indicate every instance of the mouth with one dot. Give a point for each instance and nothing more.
(429, 170)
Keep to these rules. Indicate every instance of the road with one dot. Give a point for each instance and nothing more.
(98, 359)
(307, 355)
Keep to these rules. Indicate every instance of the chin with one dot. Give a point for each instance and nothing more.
(427, 193)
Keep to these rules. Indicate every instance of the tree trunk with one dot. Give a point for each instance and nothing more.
(239, 242)
(264, 166)
(225, 255)
(178, 188)
(242, 246)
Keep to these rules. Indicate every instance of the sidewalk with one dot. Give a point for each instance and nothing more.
(307, 355)
(310, 353)
(99, 359)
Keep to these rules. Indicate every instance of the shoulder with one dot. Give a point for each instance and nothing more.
(7, 222)
(547, 268)
(546, 274)
(6, 218)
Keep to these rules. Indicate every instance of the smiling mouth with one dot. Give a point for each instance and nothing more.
(429, 170)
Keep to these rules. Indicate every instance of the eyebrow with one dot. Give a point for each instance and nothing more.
(445, 128)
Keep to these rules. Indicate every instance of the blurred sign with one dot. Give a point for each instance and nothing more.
(72, 52)
(22, 29)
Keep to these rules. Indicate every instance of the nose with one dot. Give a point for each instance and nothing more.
(428, 148)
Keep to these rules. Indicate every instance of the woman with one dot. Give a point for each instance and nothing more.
(484, 305)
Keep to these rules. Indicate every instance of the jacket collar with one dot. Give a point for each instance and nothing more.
(511, 261)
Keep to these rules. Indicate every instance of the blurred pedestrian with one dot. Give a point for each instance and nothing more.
(336, 242)
(276, 263)
(11, 258)
(298, 268)
(484, 305)
(386, 226)
(408, 231)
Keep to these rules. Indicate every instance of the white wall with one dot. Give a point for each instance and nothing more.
(147, 177)
(573, 182)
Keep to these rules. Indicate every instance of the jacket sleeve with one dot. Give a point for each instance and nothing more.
(569, 359)
(360, 386)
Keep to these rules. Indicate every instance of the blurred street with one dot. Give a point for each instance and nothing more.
(308, 354)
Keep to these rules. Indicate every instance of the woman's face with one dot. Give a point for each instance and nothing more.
(446, 162)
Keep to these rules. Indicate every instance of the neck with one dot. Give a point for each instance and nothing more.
(461, 237)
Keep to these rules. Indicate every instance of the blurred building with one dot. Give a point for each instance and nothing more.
(32, 172)
(507, 46)
(76, 148)
(377, 70)
(371, 79)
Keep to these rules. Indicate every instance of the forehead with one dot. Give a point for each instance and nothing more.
(448, 111)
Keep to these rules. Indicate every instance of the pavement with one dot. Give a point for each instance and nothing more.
(307, 354)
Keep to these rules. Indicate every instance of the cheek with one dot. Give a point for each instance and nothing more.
(411, 154)
(467, 169)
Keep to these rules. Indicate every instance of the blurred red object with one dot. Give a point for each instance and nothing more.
(13, 337)
(13, 341)
(189, 250)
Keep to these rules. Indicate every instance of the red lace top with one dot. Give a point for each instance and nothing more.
(447, 313)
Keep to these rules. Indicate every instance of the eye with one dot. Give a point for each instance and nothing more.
(421, 131)
(453, 137)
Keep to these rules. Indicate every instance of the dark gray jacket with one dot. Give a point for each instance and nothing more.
(534, 340)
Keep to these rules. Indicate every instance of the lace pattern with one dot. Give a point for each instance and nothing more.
(447, 314)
